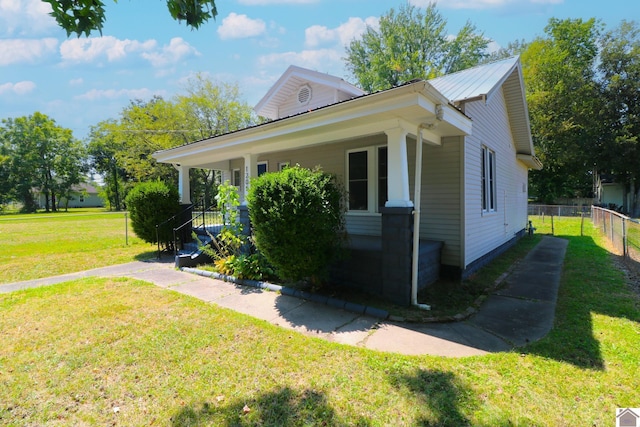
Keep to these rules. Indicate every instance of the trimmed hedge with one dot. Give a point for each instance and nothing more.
(297, 217)
(149, 204)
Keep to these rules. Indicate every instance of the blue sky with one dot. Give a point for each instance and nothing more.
(142, 52)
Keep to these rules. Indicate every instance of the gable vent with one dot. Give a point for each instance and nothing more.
(304, 95)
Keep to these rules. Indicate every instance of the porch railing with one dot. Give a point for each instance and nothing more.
(204, 220)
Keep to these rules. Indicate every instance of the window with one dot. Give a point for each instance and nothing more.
(383, 191)
(358, 181)
(282, 166)
(367, 179)
(488, 180)
(263, 167)
(235, 177)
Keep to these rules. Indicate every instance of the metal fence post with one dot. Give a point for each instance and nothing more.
(625, 249)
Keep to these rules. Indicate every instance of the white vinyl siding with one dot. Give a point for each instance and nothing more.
(321, 96)
(332, 159)
(441, 203)
(486, 231)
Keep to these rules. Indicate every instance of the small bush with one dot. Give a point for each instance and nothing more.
(149, 204)
(298, 222)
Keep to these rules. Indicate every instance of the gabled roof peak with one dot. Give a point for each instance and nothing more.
(475, 82)
(292, 79)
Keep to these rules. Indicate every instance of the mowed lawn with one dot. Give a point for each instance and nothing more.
(45, 244)
(126, 353)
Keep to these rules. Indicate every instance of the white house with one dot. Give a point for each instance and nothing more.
(447, 158)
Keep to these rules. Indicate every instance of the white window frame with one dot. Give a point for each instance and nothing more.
(488, 180)
(372, 178)
(283, 165)
(266, 169)
(236, 182)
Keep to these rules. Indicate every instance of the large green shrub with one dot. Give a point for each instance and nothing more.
(297, 217)
(150, 204)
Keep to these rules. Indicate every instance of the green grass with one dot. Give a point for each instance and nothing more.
(123, 352)
(41, 245)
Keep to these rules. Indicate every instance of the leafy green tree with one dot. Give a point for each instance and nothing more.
(297, 220)
(411, 45)
(619, 69)
(85, 16)
(150, 204)
(210, 109)
(103, 149)
(123, 147)
(564, 102)
(44, 156)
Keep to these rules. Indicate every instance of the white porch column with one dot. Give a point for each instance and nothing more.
(250, 171)
(398, 169)
(184, 187)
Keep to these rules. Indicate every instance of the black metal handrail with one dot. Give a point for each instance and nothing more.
(167, 221)
(194, 219)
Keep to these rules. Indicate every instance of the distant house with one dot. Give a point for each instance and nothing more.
(444, 160)
(83, 195)
(610, 193)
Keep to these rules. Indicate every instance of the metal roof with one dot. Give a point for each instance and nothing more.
(476, 82)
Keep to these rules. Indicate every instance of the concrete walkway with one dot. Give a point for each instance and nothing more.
(520, 312)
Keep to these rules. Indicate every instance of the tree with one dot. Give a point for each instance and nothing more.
(103, 149)
(297, 220)
(211, 109)
(410, 45)
(620, 73)
(123, 147)
(44, 156)
(84, 16)
(564, 105)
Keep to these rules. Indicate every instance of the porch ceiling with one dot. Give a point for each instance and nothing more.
(406, 106)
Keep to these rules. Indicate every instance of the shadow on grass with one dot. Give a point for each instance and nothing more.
(284, 407)
(153, 256)
(441, 394)
(444, 400)
(590, 284)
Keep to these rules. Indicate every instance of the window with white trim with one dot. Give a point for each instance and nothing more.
(263, 167)
(367, 179)
(235, 177)
(488, 180)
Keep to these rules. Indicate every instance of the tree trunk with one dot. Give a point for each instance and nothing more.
(46, 200)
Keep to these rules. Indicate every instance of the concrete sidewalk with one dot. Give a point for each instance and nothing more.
(521, 312)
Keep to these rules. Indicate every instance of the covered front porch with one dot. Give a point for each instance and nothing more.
(384, 233)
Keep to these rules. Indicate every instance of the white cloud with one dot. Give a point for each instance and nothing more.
(96, 94)
(174, 52)
(20, 88)
(481, 4)
(318, 34)
(237, 26)
(25, 17)
(15, 51)
(76, 82)
(270, 2)
(313, 59)
(96, 48)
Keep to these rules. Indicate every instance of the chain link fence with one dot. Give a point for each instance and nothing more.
(622, 231)
(559, 210)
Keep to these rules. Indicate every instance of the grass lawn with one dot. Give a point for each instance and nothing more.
(46, 244)
(123, 352)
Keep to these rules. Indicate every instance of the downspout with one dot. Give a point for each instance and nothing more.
(416, 210)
